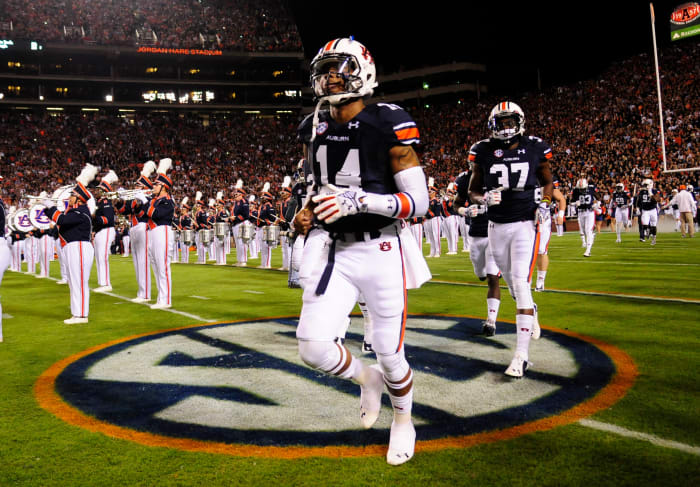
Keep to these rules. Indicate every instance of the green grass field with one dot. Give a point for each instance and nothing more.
(639, 299)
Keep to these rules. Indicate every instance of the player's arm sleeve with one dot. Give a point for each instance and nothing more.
(411, 200)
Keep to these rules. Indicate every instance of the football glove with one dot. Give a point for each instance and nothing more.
(492, 198)
(333, 206)
(476, 210)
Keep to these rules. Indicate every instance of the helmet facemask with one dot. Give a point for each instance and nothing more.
(331, 70)
(506, 122)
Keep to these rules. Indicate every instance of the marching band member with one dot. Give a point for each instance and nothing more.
(45, 247)
(126, 241)
(254, 218)
(75, 229)
(222, 216)
(451, 220)
(103, 226)
(175, 249)
(139, 236)
(201, 223)
(211, 219)
(286, 208)
(160, 234)
(17, 237)
(266, 217)
(239, 214)
(185, 224)
(4, 252)
(433, 221)
(30, 252)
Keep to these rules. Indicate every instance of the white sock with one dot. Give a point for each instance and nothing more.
(540, 278)
(523, 324)
(492, 305)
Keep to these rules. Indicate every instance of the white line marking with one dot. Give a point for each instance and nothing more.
(609, 262)
(7, 316)
(200, 297)
(171, 310)
(252, 292)
(611, 428)
(586, 293)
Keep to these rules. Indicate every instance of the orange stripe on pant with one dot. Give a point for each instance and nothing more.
(535, 248)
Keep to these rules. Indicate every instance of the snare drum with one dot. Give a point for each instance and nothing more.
(205, 236)
(271, 235)
(188, 237)
(247, 231)
(220, 230)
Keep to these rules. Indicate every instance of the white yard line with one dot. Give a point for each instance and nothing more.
(611, 428)
(587, 293)
(200, 297)
(609, 262)
(6, 316)
(252, 292)
(171, 310)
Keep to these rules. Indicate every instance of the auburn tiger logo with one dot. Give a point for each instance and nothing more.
(385, 246)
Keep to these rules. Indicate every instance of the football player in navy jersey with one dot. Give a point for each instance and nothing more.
(480, 254)
(545, 214)
(367, 178)
(584, 197)
(507, 169)
(621, 204)
(648, 200)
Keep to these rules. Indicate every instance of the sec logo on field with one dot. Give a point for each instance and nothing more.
(240, 388)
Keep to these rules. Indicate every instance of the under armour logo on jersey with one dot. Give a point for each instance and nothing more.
(385, 246)
(354, 125)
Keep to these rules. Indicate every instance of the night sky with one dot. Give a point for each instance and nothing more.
(514, 39)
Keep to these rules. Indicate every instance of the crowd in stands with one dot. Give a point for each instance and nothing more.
(604, 129)
(243, 25)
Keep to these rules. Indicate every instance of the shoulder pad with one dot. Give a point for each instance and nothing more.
(391, 119)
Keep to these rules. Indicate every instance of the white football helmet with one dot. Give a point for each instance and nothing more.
(690, 189)
(352, 61)
(620, 187)
(582, 183)
(506, 109)
(648, 184)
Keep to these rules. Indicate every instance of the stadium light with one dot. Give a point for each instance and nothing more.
(109, 98)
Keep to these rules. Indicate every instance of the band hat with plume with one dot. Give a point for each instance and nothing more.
(285, 185)
(198, 198)
(148, 169)
(86, 176)
(266, 191)
(164, 166)
(239, 187)
(108, 180)
(220, 197)
(184, 201)
(451, 188)
(212, 202)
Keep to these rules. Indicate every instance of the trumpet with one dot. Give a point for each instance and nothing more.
(127, 194)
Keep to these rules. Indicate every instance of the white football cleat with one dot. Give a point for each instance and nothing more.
(139, 300)
(62, 281)
(539, 288)
(75, 320)
(536, 331)
(517, 366)
(587, 253)
(371, 396)
(161, 306)
(102, 289)
(402, 443)
(488, 328)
